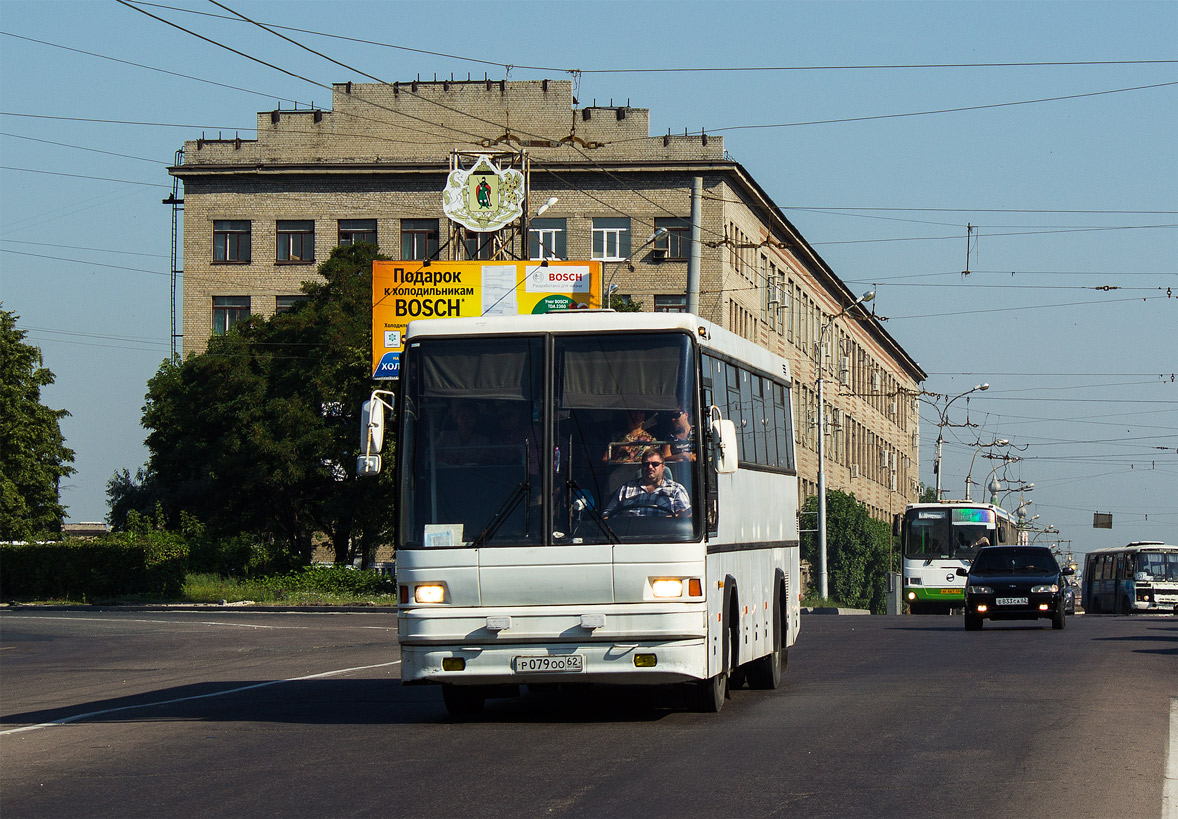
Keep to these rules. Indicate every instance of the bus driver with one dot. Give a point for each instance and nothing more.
(651, 495)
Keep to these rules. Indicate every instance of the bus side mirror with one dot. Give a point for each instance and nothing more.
(372, 426)
(371, 434)
(724, 441)
(897, 522)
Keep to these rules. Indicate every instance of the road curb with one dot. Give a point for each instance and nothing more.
(832, 610)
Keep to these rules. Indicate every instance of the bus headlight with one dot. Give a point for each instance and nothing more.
(429, 593)
(666, 587)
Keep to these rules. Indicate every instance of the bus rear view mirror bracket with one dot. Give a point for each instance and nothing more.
(724, 441)
(372, 428)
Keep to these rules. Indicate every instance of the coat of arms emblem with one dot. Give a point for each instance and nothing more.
(484, 198)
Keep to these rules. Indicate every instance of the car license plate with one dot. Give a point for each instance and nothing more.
(1011, 601)
(560, 662)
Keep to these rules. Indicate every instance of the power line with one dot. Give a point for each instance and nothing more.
(82, 148)
(186, 126)
(956, 110)
(93, 249)
(85, 262)
(147, 67)
(83, 176)
(688, 69)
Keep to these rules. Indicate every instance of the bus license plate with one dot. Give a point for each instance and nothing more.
(562, 662)
(1011, 601)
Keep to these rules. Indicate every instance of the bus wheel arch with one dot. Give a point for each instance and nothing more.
(764, 673)
(710, 693)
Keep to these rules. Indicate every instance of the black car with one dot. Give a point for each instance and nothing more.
(1015, 583)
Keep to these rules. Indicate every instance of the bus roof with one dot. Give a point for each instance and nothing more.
(710, 336)
(1137, 546)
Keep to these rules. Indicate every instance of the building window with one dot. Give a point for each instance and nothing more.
(357, 231)
(227, 311)
(675, 244)
(419, 239)
(283, 304)
(296, 240)
(611, 238)
(479, 246)
(231, 240)
(547, 239)
(670, 304)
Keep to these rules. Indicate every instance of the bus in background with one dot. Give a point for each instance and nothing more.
(529, 549)
(936, 540)
(1142, 576)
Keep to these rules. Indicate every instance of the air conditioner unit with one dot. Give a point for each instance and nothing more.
(875, 381)
(854, 470)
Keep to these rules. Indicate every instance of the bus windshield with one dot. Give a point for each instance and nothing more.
(948, 533)
(509, 441)
(1158, 565)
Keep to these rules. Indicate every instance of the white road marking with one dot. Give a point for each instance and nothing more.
(89, 714)
(165, 622)
(1170, 785)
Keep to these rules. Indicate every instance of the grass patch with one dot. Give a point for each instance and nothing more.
(312, 586)
(821, 603)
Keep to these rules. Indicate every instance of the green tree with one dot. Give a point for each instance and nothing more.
(259, 433)
(33, 454)
(859, 551)
(624, 304)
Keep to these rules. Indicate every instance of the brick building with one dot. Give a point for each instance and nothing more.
(259, 215)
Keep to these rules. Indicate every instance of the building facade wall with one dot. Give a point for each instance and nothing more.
(382, 153)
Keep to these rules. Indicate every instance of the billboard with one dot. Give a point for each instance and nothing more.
(406, 291)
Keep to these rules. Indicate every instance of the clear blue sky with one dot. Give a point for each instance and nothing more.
(1068, 170)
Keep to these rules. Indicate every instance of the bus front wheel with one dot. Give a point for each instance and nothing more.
(463, 700)
(711, 693)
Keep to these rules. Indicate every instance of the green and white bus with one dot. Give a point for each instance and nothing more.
(937, 539)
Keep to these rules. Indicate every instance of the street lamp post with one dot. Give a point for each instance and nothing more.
(968, 475)
(941, 432)
(823, 588)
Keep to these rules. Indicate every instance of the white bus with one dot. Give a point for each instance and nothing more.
(1142, 576)
(939, 538)
(525, 554)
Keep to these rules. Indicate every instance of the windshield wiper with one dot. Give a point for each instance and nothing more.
(521, 491)
(579, 494)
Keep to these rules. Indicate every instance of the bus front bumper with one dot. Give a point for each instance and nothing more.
(635, 663)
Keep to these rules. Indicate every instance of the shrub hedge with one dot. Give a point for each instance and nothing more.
(151, 564)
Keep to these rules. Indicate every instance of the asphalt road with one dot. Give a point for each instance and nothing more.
(242, 713)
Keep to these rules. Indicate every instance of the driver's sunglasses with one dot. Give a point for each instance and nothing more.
(652, 463)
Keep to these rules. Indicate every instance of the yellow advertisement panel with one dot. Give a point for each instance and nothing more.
(407, 291)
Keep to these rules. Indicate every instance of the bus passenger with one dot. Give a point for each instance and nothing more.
(628, 448)
(651, 495)
(680, 445)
